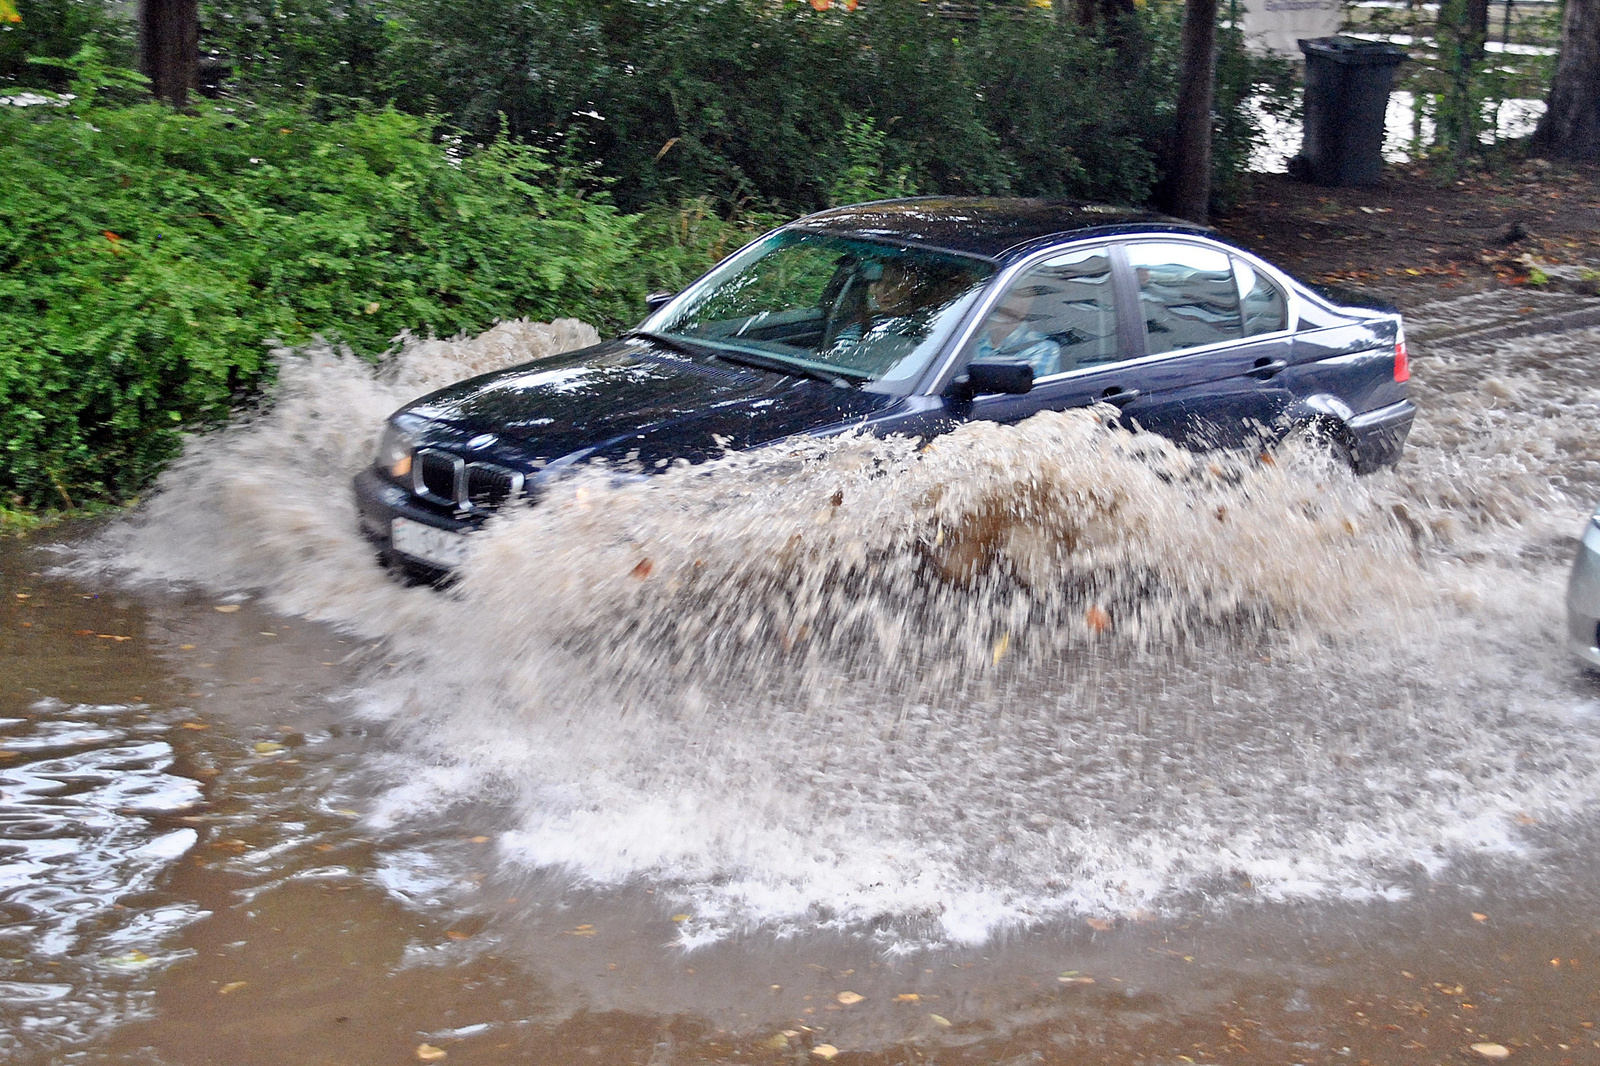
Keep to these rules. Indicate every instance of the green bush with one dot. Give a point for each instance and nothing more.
(147, 257)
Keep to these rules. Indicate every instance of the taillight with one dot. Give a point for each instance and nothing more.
(1402, 361)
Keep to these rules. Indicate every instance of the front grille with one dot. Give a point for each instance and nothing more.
(445, 478)
(490, 486)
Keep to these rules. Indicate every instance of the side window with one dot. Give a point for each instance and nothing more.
(1187, 295)
(1059, 316)
(1261, 303)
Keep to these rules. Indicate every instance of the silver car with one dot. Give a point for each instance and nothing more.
(1583, 597)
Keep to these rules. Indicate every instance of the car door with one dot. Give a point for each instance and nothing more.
(1215, 335)
(1069, 315)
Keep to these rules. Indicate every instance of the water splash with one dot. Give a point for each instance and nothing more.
(930, 690)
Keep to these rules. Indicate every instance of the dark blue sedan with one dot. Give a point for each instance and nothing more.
(909, 317)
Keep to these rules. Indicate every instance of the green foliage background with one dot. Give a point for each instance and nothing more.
(373, 166)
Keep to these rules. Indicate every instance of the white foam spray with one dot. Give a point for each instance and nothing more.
(937, 689)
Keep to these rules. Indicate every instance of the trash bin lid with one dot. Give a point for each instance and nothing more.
(1353, 51)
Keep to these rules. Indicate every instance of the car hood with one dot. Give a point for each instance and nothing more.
(629, 396)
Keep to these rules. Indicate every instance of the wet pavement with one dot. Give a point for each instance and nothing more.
(1340, 809)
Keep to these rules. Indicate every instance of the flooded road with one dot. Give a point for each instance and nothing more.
(1045, 744)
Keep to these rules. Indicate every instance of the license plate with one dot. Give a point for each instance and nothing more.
(437, 547)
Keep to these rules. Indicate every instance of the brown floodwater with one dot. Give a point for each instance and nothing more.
(1239, 762)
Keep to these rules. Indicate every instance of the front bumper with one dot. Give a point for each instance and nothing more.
(1583, 600)
(1378, 437)
(379, 502)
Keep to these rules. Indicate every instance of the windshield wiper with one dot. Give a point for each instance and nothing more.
(745, 357)
(778, 365)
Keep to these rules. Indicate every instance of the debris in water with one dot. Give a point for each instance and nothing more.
(226, 608)
(776, 1042)
(232, 987)
(907, 997)
(1492, 1051)
(641, 569)
(849, 999)
(429, 1053)
(1097, 618)
(1001, 646)
(584, 930)
(825, 1051)
(940, 1020)
(1479, 917)
(1099, 925)
(267, 747)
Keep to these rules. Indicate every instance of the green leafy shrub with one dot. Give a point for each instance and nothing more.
(148, 256)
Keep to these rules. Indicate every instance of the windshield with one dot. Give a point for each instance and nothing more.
(859, 310)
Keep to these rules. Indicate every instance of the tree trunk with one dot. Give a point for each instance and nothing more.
(1476, 29)
(169, 47)
(1570, 128)
(1187, 191)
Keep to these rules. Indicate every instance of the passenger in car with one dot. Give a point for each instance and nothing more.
(1009, 333)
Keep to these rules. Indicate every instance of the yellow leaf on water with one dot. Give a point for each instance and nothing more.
(231, 987)
(1479, 917)
(1075, 979)
(1002, 646)
(480, 840)
(429, 1053)
(582, 930)
(777, 1042)
(825, 1051)
(186, 647)
(456, 934)
(849, 999)
(226, 608)
(112, 636)
(267, 747)
(680, 917)
(1099, 924)
(940, 1020)
(907, 997)
(1492, 1051)
(195, 725)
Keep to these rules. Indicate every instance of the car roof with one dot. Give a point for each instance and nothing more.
(987, 226)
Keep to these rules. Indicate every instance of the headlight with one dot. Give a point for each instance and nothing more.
(394, 451)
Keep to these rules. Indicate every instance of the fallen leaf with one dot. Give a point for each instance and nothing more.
(186, 647)
(940, 1020)
(777, 1042)
(641, 569)
(1068, 979)
(1479, 917)
(429, 1053)
(24, 595)
(849, 999)
(267, 747)
(456, 934)
(582, 930)
(195, 725)
(825, 1051)
(1001, 646)
(480, 840)
(680, 917)
(231, 987)
(112, 636)
(907, 997)
(229, 608)
(1492, 1051)
(1097, 618)
(7, 754)
(1099, 924)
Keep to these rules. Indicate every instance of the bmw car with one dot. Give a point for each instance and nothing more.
(907, 317)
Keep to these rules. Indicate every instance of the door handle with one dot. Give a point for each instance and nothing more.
(1119, 397)
(1267, 368)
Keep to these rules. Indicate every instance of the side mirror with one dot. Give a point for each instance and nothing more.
(657, 300)
(996, 375)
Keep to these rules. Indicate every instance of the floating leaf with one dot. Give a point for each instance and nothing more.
(226, 608)
(907, 997)
(1097, 618)
(429, 1053)
(267, 747)
(641, 569)
(582, 930)
(186, 647)
(195, 725)
(940, 1020)
(849, 999)
(1099, 924)
(777, 1042)
(1479, 917)
(1492, 1051)
(232, 987)
(680, 917)
(825, 1051)
(480, 839)
(112, 636)
(1072, 978)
